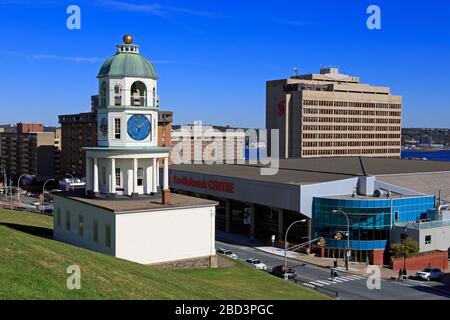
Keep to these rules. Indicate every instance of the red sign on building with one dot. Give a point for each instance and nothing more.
(213, 185)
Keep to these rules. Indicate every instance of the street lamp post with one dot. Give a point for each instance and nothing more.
(5, 184)
(348, 236)
(286, 246)
(18, 187)
(404, 249)
(11, 194)
(43, 193)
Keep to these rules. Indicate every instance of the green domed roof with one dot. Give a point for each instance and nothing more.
(127, 64)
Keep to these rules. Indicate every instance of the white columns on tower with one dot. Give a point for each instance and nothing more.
(135, 167)
(95, 176)
(157, 174)
(154, 176)
(113, 176)
(166, 174)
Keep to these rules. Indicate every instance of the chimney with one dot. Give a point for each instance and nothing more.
(165, 196)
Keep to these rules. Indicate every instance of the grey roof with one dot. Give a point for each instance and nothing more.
(316, 170)
(177, 201)
(427, 183)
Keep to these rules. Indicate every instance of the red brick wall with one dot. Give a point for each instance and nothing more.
(29, 127)
(377, 257)
(433, 259)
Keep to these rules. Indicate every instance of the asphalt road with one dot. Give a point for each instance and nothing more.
(349, 287)
(26, 202)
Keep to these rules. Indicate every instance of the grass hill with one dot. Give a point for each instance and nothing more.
(33, 266)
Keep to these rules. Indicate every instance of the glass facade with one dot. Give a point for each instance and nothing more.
(370, 219)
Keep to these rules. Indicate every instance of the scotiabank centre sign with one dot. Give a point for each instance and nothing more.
(205, 184)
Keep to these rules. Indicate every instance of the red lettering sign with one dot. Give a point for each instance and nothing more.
(213, 185)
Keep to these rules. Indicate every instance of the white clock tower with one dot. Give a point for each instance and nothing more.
(126, 159)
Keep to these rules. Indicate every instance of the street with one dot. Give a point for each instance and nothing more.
(349, 286)
(26, 203)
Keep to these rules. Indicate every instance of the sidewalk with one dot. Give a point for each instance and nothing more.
(354, 268)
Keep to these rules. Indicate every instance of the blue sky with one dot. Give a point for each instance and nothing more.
(213, 57)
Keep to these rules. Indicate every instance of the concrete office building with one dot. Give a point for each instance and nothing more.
(376, 193)
(29, 150)
(333, 115)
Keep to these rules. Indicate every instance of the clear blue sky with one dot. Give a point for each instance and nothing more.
(213, 57)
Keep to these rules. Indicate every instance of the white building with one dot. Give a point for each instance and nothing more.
(123, 211)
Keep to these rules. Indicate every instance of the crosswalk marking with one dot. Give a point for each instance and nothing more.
(330, 281)
(316, 283)
(324, 282)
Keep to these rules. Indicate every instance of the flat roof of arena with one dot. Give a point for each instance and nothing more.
(315, 170)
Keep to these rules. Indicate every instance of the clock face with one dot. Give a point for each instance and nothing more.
(139, 127)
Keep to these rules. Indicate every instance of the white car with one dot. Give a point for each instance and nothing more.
(256, 263)
(228, 253)
(430, 274)
(36, 203)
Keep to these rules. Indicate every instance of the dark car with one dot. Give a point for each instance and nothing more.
(48, 211)
(279, 271)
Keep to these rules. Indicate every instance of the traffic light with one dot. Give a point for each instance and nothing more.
(321, 242)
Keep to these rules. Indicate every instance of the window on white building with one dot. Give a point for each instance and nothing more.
(80, 225)
(140, 177)
(68, 220)
(428, 239)
(108, 235)
(58, 217)
(118, 180)
(95, 231)
(117, 128)
(118, 95)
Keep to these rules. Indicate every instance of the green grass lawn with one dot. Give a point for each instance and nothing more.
(33, 266)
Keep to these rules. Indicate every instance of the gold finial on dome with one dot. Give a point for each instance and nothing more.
(127, 39)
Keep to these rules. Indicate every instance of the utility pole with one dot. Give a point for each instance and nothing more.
(11, 194)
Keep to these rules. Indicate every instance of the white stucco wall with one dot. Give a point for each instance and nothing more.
(89, 214)
(153, 237)
(144, 237)
(331, 188)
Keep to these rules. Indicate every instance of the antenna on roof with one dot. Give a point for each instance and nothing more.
(295, 69)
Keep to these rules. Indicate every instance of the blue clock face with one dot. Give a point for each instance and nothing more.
(139, 127)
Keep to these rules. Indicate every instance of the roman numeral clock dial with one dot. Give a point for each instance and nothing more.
(139, 127)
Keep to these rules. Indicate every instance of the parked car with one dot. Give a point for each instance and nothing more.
(49, 211)
(21, 208)
(228, 253)
(430, 274)
(279, 271)
(256, 263)
(36, 203)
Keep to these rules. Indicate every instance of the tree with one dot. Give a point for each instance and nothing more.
(408, 248)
